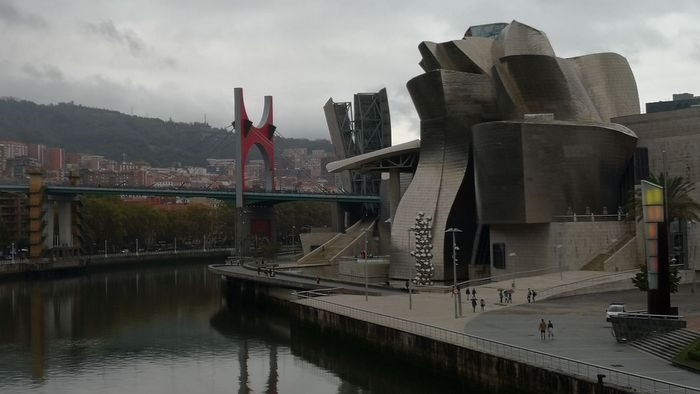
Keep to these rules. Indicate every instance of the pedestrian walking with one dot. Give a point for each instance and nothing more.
(473, 292)
(318, 280)
(550, 330)
(529, 295)
(467, 291)
(500, 295)
(483, 304)
(534, 294)
(474, 304)
(543, 328)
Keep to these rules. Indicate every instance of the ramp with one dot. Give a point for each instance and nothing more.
(342, 244)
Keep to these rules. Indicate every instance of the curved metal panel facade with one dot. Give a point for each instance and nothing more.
(527, 172)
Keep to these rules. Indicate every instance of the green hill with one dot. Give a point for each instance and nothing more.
(110, 133)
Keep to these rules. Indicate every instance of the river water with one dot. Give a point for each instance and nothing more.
(176, 329)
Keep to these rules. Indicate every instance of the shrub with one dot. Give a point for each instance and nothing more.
(694, 351)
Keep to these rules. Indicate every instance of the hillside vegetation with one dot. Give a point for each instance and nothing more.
(110, 133)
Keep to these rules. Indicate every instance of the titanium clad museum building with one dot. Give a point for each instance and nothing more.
(530, 156)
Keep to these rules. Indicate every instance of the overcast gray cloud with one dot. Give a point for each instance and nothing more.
(129, 39)
(11, 15)
(45, 71)
(107, 30)
(182, 59)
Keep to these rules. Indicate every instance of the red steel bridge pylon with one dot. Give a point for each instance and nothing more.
(253, 221)
(249, 135)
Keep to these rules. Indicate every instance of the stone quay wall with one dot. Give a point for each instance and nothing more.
(494, 373)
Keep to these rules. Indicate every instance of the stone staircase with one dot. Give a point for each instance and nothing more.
(331, 250)
(597, 263)
(667, 345)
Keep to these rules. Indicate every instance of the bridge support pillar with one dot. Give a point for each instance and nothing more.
(394, 192)
(59, 229)
(37, 221)
(258, 227)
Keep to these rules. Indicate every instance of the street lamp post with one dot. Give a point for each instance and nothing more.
(410, 272)
(175, 245)
(13, 252)
(366, 255)
(105, 248)
(454, 265)
(561, 272)
(513, 255)
(137, 247)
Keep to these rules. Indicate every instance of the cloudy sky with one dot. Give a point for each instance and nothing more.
(181, 59)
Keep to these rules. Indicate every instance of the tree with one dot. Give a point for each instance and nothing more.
(4, 235)
(681, 205)
(640, 279)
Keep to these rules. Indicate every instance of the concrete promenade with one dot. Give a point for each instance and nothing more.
(581, 332)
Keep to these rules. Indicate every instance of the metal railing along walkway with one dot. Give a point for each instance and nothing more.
(585, 283)
(564, 365)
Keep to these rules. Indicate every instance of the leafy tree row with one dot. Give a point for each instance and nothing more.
(121, 223)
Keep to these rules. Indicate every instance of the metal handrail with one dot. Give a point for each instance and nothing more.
(510, 275)
(590, 217)
(644, 315)
(316, 292)
(102, 256)
(512, 352)
(558, 289)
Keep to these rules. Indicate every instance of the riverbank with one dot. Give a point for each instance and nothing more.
(45, 267)
(492, 338)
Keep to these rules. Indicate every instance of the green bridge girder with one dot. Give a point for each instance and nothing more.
(250, 197)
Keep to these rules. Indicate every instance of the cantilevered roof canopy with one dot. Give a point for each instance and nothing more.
(403, 157)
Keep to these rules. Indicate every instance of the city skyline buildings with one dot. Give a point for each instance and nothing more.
(300, 169)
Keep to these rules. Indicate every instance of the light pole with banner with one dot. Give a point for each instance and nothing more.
(656, 248)
(513, 255)
(366, 256)
(455, 291)
(561, 273)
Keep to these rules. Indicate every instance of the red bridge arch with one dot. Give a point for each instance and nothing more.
(250, 135)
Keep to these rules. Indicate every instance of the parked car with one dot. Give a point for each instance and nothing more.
(614, 309)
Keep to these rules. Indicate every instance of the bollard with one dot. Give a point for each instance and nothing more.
(599, 386)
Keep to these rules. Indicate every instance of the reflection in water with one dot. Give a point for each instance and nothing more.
(174, 329)
(37, 339)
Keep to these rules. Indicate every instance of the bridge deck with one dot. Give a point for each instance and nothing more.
(251, 197)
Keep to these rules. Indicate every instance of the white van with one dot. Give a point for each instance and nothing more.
(614, 309)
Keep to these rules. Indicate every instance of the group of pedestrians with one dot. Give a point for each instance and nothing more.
(506, 295)
(475, 303)
(546, 330)
(531, 294)
(267, 271)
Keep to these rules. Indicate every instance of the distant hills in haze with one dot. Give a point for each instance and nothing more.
(110, 133)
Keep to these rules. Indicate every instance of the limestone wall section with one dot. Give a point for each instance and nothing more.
(535, 245)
